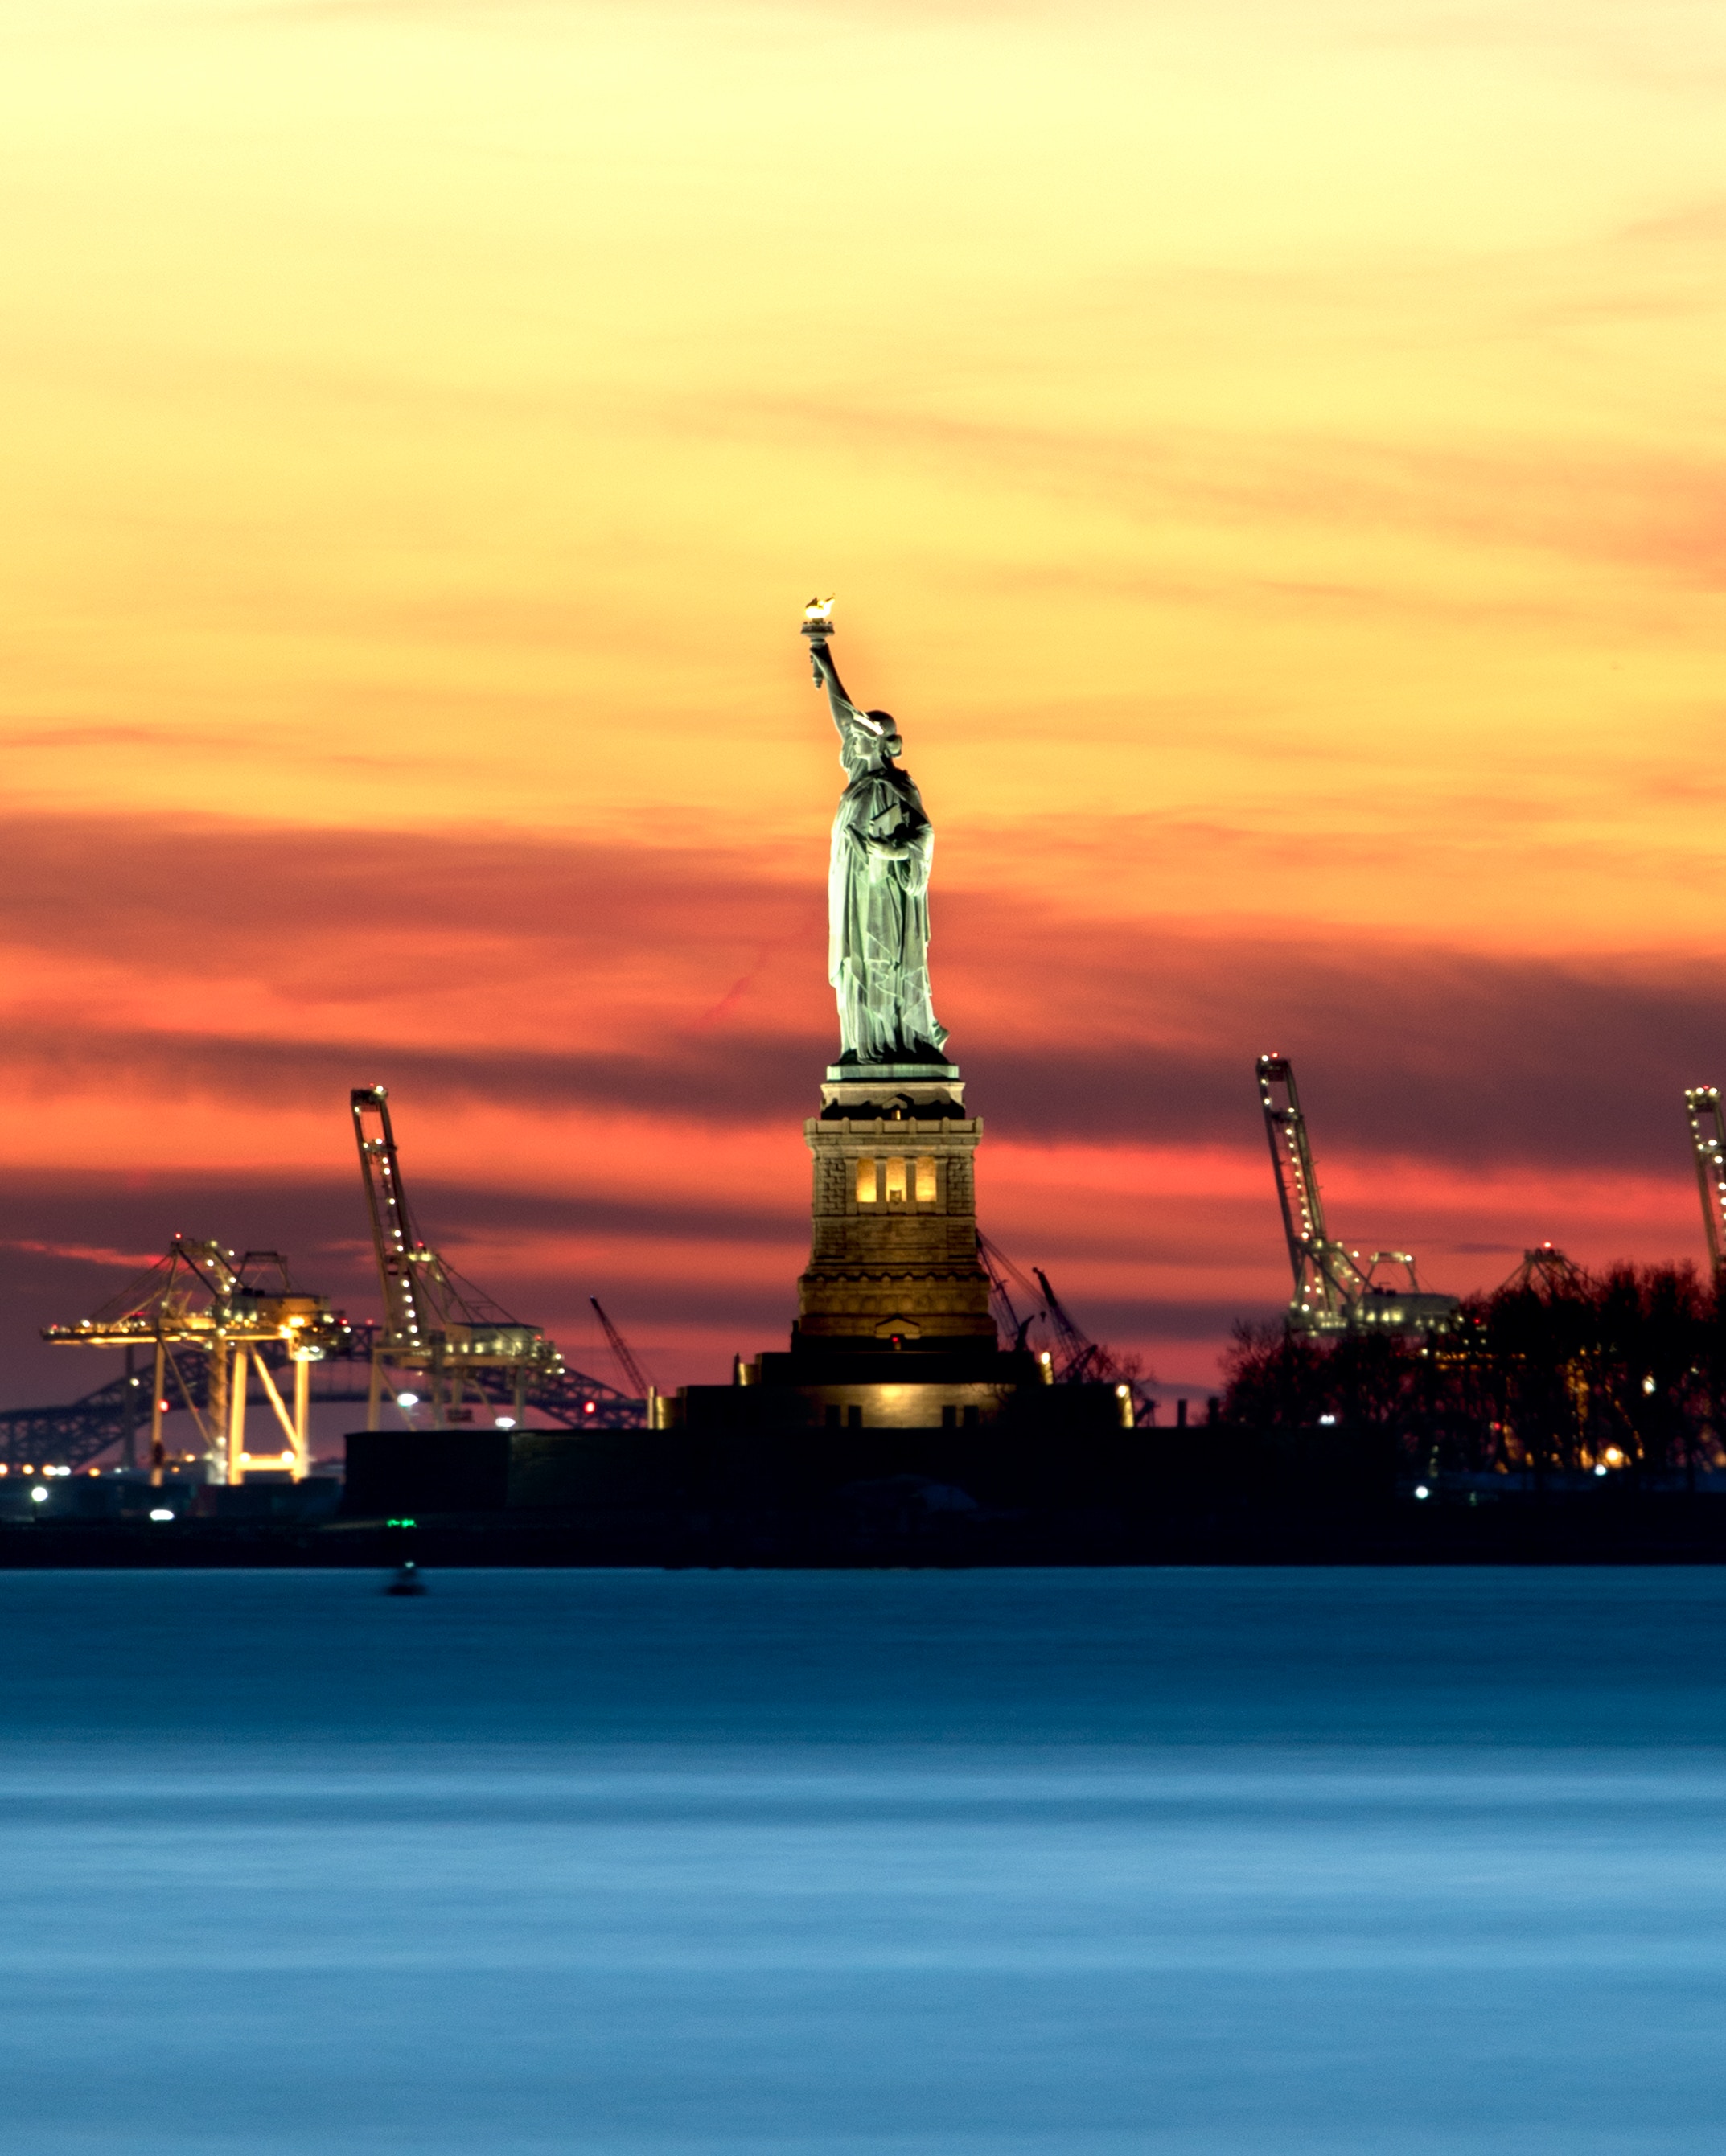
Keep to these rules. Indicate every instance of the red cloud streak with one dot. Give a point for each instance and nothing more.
(603, 1051)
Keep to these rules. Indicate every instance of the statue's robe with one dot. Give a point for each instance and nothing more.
(878, 920)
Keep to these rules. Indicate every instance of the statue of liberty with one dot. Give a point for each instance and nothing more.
(877, 884)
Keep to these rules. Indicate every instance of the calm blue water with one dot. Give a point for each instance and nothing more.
(1195, 1861)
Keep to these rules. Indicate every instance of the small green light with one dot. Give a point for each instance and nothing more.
(401, 1524)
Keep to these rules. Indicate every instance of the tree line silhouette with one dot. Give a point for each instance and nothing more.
(1558, 1372)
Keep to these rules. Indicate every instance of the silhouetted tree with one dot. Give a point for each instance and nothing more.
(1556, 1372)
(1274, 1378)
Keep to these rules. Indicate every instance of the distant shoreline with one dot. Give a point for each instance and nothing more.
(1613, 1527)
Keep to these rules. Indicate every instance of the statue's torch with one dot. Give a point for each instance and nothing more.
(818, 627)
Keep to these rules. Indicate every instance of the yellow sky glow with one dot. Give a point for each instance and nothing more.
(1271, 458)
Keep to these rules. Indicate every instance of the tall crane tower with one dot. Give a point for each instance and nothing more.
(237, 1315)
(634, 1373)
(1707, 1134)
(1335, 1290)
(441, 1324)
(433, 1320)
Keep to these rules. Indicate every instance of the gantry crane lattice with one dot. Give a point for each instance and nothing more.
(1335, 1290)
(1544, 1271)
(227, 1315)
(435, 1322)
(73, 1435)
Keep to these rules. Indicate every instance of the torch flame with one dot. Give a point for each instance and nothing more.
(820, 610)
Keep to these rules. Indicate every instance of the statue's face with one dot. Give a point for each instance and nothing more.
(885, 730)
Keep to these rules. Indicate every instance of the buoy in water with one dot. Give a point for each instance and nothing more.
(407, 1580)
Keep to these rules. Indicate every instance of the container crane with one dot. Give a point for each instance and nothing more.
(78, 1433)
(235, 1314)
(1079, 1360)
(1544, 1271)
(1003, 1277)
(1707, 1135)
(1075, 1358)
(1335, 1290)
(434, 1321)
(634, 1374)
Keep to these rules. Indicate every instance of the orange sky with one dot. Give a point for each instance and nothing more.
(1271, 459)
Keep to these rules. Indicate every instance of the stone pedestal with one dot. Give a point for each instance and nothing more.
(894, 1334)
(893, 1261)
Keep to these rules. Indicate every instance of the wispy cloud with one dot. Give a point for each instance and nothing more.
(1078, 1024)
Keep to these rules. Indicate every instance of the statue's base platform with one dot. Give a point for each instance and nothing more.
(762, 1449)
(856, 1393)
(825, 1385)
(894, 1329)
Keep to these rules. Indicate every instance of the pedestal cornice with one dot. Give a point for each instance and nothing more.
(864, 1091)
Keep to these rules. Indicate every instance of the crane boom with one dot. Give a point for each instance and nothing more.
(433, 1320)
(1326, 1278)
(1707, 1134)
(404, 1262)
(1004, 1275)
(631, 1368)
(1082, 1359)
(1333, 1291)
(425, 1297)
(387, 1208)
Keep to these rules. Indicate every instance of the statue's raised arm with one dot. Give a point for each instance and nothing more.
(850, 720)
(878, 882)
